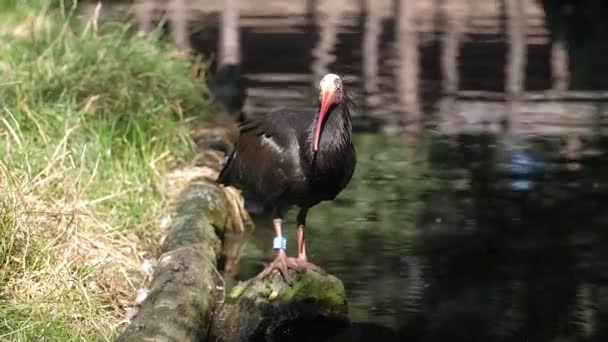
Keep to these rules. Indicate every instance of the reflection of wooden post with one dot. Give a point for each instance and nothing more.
(599, 296)
(230, 52)
(415, 285)
(371, 34)
(329, 16)
(516, 60)
(455, 14)
(560, 83)
(573, 150)
(560, 78)
(143, 11)
(586, 309)
(179, 24)
(311, 8)
(559, 66)
(408, 70)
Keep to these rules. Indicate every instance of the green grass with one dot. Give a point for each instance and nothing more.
(89, 124)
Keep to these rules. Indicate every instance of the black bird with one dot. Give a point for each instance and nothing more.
(286, 159)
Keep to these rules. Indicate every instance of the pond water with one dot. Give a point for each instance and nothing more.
(472, 215)
(458, 229)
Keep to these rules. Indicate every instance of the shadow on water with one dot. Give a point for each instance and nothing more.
(490, 224)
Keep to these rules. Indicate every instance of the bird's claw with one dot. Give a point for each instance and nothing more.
(282, 264)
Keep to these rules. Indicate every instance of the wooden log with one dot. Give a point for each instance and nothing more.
(183, 290)
(314, 306)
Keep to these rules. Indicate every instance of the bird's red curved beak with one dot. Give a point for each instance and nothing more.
(326, 101)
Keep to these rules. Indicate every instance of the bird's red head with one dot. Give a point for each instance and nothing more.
(331, 93)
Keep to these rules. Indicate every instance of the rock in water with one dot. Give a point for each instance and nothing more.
(313, 308)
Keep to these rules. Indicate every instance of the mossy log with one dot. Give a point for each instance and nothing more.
(183, 290)
(312, 308)
(183, 303)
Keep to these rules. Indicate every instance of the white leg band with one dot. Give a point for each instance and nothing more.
(279, 243)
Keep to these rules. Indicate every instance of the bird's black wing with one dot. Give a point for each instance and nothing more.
(261, 163)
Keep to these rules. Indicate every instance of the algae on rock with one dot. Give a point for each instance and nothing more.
(269, 309)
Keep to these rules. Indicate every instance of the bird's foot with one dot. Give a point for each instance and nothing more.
(302, 264)
(282, 264)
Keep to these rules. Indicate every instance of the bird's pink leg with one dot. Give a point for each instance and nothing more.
(281, 263)
(302, 260)
(301, 243)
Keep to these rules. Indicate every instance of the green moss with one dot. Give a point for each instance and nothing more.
(207, 199)
(260, 308)
(238, 290)
(324, 288)
(310, 284)
(188, 229)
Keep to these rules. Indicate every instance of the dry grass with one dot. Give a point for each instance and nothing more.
(90, 124)
(60, 259)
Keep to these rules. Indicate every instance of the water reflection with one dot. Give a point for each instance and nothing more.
(506, 265)
(449, 249)
(488, 224)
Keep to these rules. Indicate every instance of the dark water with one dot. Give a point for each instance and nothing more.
(472, 215)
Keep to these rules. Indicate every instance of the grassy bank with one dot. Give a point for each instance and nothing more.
(89, 123)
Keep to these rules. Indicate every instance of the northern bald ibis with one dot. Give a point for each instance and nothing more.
(286, 159)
